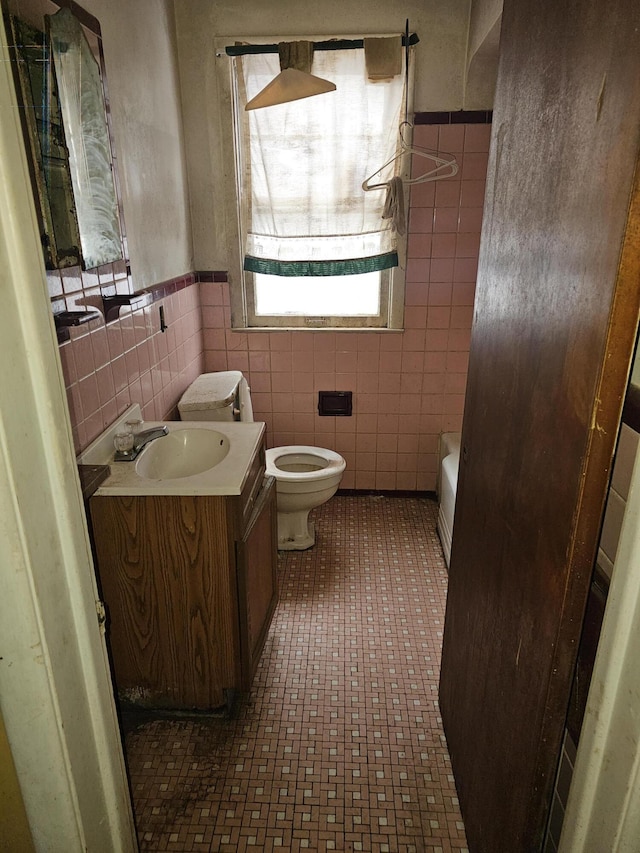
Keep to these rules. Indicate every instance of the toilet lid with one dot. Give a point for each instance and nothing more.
(210, 391)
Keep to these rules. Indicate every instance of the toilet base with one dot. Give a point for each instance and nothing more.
(295, 531)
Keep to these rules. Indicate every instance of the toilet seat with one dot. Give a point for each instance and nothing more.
(330, 462)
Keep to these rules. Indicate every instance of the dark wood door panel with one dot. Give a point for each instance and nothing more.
(554, 329)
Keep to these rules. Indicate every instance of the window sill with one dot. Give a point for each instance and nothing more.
(350, 329)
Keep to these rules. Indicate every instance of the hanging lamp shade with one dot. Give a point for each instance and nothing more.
(290, 85)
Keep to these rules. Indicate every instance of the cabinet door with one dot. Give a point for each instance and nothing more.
(166, 572)
(257, 579)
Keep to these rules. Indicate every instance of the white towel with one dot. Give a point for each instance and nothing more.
(383, 57)
(394, 205)
(246, 409)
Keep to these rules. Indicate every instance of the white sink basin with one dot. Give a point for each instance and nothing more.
(182, 453)
(166, 466)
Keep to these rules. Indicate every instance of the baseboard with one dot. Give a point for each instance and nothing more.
(388, 493)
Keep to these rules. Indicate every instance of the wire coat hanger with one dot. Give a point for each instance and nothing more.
(434, 174)
(441, 163)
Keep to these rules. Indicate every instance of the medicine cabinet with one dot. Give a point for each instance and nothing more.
(59, 78)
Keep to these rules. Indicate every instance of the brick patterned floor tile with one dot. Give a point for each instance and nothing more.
(339, 745)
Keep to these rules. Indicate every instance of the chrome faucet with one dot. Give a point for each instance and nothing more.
(140, 441)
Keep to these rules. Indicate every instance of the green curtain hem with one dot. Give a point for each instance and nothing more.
(354, 266)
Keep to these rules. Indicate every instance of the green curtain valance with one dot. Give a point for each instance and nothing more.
(354, 266)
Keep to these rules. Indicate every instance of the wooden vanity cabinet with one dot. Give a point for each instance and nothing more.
(190, 586)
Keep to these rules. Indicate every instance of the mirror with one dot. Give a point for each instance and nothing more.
(83, 117)
(64, 118)
(46, 147)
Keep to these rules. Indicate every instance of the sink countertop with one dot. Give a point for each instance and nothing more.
(226, 478)
(90, 478)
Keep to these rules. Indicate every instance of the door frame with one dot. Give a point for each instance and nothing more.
(603, 810)
(55, 683)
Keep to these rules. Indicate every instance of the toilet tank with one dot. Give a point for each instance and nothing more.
(212, 397)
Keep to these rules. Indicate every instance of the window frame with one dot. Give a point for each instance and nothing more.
(243, 316)
(305, 321)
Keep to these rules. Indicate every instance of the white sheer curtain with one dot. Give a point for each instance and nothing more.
(304, 162)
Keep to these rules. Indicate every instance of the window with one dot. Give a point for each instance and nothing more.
(316, 250)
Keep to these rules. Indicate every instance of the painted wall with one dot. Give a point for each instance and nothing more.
(408, 386)
(483, 52)
(440, 55)
(142, 75)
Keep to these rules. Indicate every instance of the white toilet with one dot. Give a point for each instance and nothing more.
(306, 477)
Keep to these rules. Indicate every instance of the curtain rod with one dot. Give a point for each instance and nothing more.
(332, 44)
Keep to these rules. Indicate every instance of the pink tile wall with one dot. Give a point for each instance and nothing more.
(108, 367)
(408, 386)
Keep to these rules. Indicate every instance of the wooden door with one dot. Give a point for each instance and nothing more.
(554, 327)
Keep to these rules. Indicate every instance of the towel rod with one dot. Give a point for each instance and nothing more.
(331, 44)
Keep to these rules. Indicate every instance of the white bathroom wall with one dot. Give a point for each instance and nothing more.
(482, 20)
(483, 52)
(144, 92)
